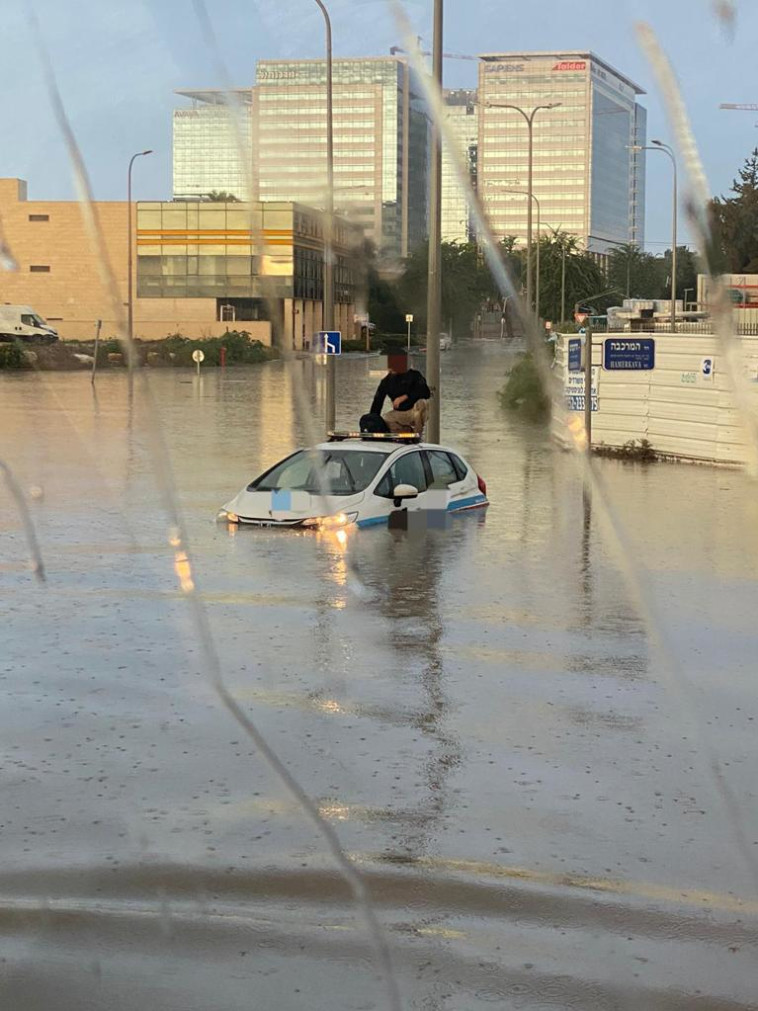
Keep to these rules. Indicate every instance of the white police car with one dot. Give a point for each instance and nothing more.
(362, 479)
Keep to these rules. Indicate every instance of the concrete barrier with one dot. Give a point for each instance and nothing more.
(684, 407)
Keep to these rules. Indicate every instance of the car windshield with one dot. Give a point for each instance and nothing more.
(338, 472)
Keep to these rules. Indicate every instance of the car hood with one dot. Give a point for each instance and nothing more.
(295, 505)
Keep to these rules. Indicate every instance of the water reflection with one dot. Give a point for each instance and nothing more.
(405, 570)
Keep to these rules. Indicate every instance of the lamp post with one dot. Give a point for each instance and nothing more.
(328, 318)
(434, 270)
(526, 193)
(130, 294)
(658, 145)
(529, 118)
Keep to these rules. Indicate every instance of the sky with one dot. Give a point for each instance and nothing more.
(118, 63)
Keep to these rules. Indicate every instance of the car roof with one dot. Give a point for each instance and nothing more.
(381, 447)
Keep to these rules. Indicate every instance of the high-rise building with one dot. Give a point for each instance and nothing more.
(461, 113)
(380, 143)
(212, 145)
(587, 178)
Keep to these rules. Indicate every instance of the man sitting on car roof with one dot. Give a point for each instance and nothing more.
(408, 392)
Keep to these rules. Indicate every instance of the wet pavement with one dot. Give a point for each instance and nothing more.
(551, 793)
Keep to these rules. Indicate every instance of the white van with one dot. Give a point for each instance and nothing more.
(21, 322)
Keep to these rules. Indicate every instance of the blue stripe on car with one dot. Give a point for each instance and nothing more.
(372, 521)
(465, 503)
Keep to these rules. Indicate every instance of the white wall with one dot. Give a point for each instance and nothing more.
(681, 412)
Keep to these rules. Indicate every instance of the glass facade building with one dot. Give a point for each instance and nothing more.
(380, 143)
(586, 177)
(462, 116)
(212, 144)
(247, 256)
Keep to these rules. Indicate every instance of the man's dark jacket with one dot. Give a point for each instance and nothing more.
(411, 383)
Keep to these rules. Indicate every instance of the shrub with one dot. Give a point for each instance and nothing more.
(12, 357)
(355, 345)
(240, 349)
(632, 451)
(524, 391)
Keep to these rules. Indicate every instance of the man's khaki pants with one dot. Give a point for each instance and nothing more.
(408, 421)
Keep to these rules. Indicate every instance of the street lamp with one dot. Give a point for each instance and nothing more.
(660, 146)
(529, 118)
(328, 317)
(130, 295)
(434, 266)
(525, 193)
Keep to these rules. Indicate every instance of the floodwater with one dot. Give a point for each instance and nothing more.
(551, 795)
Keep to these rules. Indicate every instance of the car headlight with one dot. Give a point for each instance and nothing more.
(335, 522)
(227, 517)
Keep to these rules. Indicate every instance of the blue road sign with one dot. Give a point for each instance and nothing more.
(329, 342)
(575, 355)
(630, 353)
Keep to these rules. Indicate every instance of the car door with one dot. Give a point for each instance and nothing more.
(407, 468)
(449, 474)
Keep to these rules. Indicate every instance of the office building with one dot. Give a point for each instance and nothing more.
(380, 143)
(59, 272)
(212, 144)
(462, 117)
(196, 271)
(256, 261)
(587, 178)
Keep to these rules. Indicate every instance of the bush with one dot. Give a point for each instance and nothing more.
(388, 342)
(240, 349)
(12, 357)
(524, 391)
(632, 451)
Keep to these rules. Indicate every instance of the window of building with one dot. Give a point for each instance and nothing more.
(39, 217)
(38, 268)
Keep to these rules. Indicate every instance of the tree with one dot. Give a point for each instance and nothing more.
(735, 222)
(686, 272)
(222, 197)
(465, 284)
(583, 277)
(634, 272)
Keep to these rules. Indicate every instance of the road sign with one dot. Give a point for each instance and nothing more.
(198, 356)
(329, 342)
(575, 354)
(629, 353)
(409, 317)
(580, 317)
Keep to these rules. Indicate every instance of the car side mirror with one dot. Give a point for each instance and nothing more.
(403, 491)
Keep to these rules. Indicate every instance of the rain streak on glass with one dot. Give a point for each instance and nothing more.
(508, 762)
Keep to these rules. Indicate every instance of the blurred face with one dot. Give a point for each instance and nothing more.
(398, 364)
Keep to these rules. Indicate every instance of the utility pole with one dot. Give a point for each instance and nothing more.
(129, 256)
(434, 276)
(588, 384)
(328, 318)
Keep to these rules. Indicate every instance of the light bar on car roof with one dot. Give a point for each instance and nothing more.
(375, 436)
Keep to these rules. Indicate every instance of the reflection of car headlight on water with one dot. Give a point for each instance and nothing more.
(335, 522)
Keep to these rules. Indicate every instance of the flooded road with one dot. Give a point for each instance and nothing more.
(551, 797)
